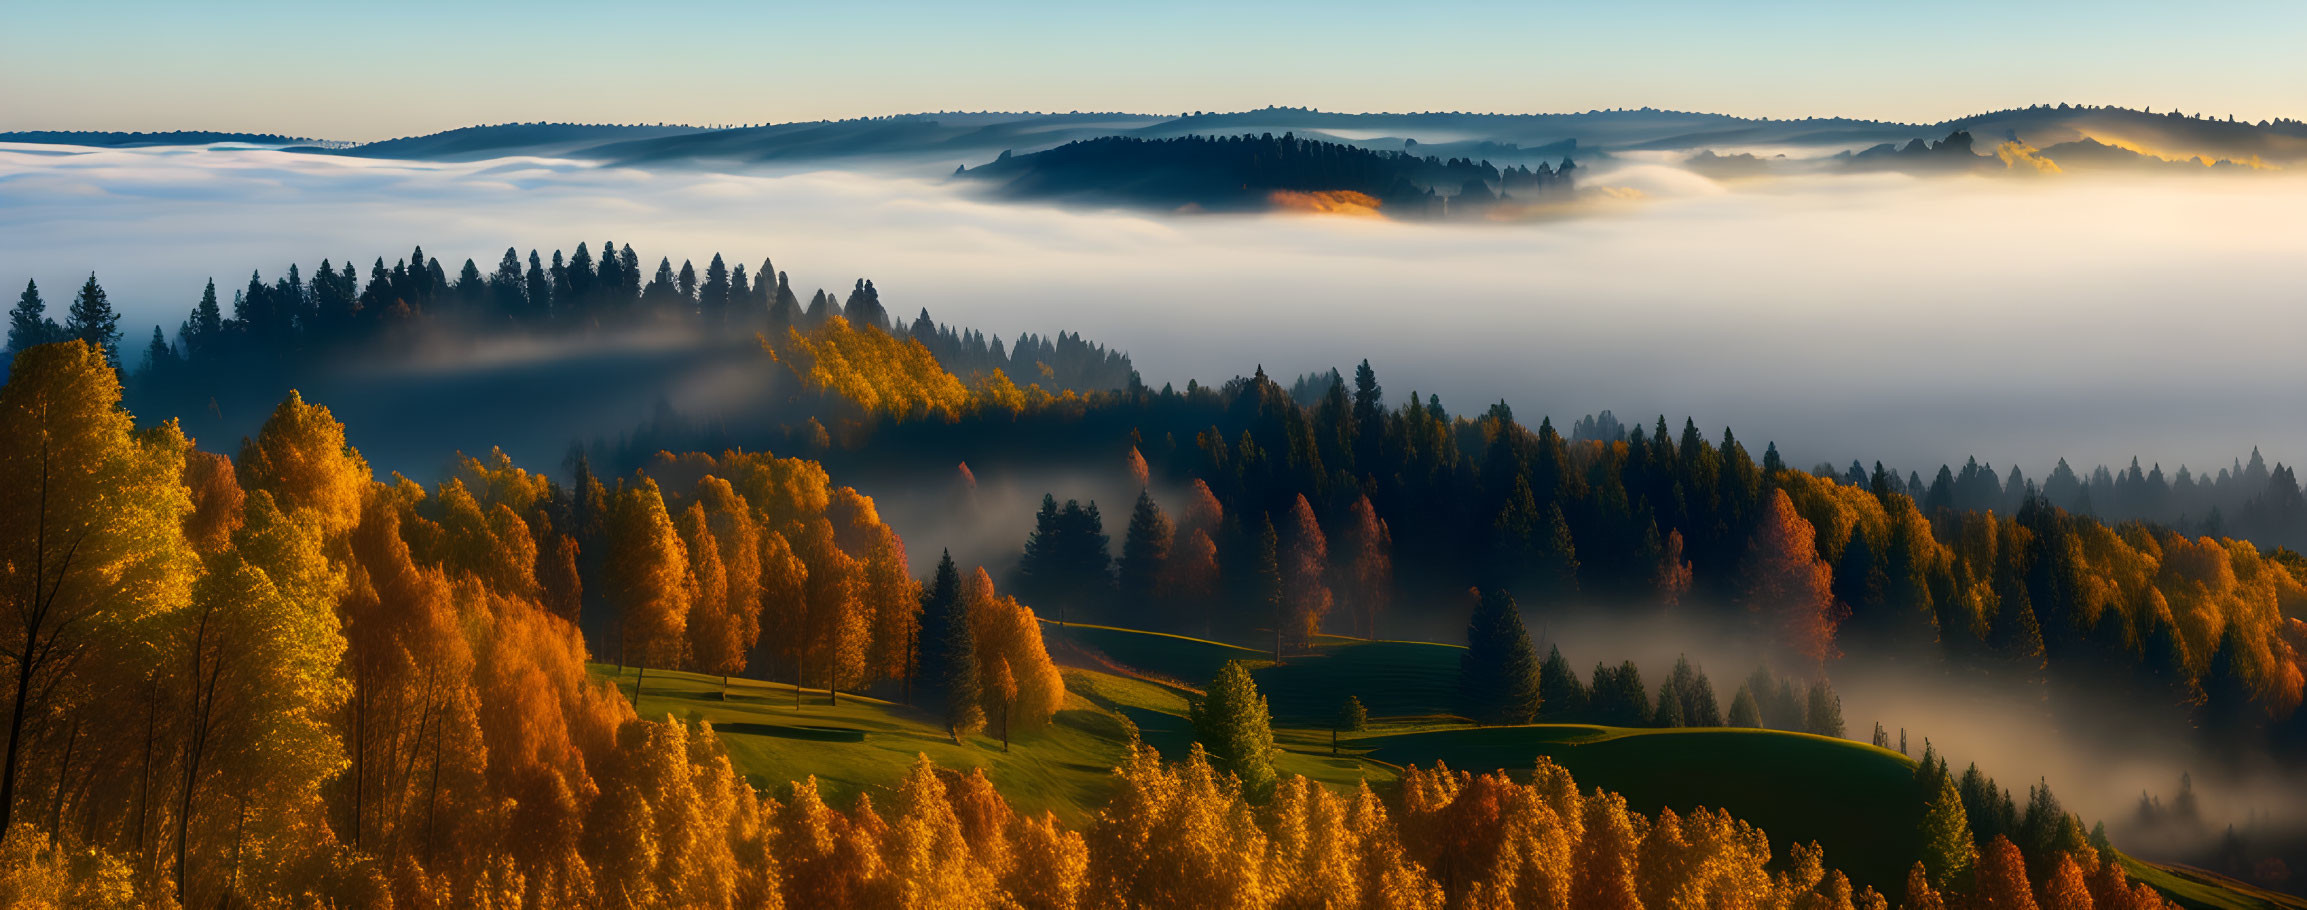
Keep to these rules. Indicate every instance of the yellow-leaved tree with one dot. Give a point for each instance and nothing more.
(648, 581)
(93, 544)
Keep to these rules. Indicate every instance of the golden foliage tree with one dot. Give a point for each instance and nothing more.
(94, 543)
(648, 580)
(1789, 585)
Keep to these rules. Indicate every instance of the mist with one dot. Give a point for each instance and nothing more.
(1880, 316)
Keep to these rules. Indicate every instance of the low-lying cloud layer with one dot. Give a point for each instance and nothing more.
(1867, 316)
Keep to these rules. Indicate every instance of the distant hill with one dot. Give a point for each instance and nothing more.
(1246, 172)
(573, 139)
(106, 139)
(946, 139)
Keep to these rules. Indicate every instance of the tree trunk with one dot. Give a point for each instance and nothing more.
(63, 774)
(144, 774)
(641, 673)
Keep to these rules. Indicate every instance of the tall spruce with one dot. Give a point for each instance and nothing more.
(1231, 721)
(92, 320)
(1145, 548)
(1498, 674)
(948, 657)
(1561, 694)
(28, 323)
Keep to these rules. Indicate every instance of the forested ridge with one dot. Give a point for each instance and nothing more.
(322, 684)
(1995, 585)
(1256, 171)
(276, 680)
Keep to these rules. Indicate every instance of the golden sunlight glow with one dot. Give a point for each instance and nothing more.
(1326, 202)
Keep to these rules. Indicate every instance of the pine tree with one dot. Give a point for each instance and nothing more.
(1145, 552)
(1231, 721)
(28, 323)
(713, 295)
(159, 359)
(92, 320)
(1561, 694)
(1947, 851)
(1498, 674)
(948, 658)
(1823, 712)
(1744, 711)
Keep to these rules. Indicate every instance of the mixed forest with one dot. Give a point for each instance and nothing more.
(267, 674)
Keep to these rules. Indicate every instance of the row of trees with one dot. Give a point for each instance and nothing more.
(269, 335)
(1502, 681)
(1814, 563)
(1175, 574)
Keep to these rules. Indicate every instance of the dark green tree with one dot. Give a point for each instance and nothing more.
(1498, 674)
(92, 320)
(1744, 711)
(1618, 697)
(1231, 722)
(948, 654)
(1561, 694)
(1948, 854)
(1823, 713)
(1145, 548)
(28, 323)
(713, 295)
(1352, 718)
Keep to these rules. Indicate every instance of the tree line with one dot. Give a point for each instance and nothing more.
(1813, 562)
(273, 678)
(260, 338)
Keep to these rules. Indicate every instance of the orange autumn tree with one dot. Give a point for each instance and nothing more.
(1788, 586)
(648, 579)
(1365, 568)
(1305, 575)
(1019, 686)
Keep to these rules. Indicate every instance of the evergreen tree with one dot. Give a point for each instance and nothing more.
(1145, 550)
(1230, 720)
(713, 295)
(1352, 718)
(507, 293)
(1561, 694)
(1744, 711)
(1948, 853)
(948, 654)
(1268, 592)
(1067, 561)
(539, 287)
(160, 360)
(1617, 696)
(92, 320)
(1823, 714)
(1498, 675)
(203, 331)
(28, 322)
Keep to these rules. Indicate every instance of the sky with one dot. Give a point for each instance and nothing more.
(364, 71)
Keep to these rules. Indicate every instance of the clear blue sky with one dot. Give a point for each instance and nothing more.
(361, 70)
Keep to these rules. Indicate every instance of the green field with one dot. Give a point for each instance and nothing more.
(1858, 801)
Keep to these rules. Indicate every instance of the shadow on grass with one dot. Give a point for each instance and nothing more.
(814, 734)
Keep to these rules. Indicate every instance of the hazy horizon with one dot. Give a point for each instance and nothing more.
(1917, 321)
(708, 61)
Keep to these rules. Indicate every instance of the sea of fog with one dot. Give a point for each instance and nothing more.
(1913, 320)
